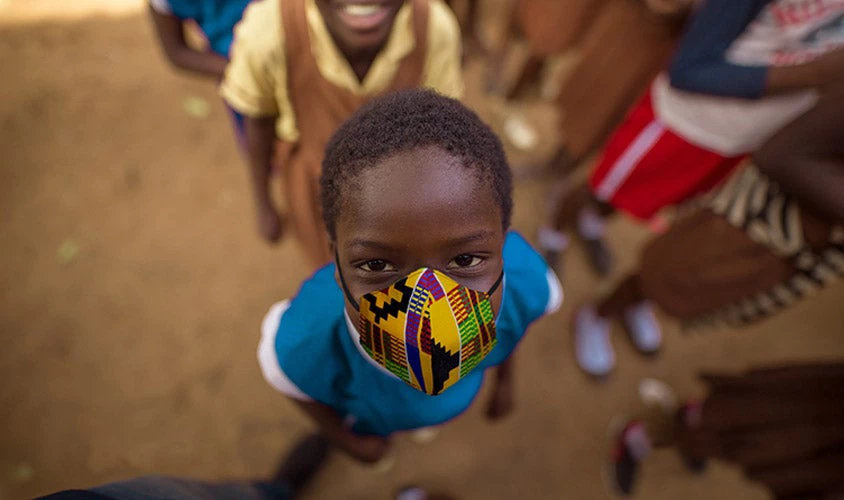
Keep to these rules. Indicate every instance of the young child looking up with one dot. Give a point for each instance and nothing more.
(428, 290)
(301, 67)
(216, 20)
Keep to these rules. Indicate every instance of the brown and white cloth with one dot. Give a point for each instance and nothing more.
(750, 253)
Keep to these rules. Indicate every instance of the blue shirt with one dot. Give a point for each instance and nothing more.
(730, 45)
(700, 63)
(310, 351)
(216, 18)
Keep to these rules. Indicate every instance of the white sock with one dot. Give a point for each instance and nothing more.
(590, 224)
(552, 240)
(637, 441)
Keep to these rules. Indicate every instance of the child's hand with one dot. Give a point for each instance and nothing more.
(501, 404)
(832, 67)
(368, 449)
(269, 225)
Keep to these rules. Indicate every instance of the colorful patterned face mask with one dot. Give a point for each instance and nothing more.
(426, 328)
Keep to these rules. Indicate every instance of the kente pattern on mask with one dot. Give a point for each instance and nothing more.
(430, 360)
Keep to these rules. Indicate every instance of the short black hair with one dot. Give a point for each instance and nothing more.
(404, 121)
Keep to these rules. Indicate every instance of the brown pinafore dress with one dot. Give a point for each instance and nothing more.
(320, 108)
(751, 253)
(552, 26)
(783, 426)
(621, 52)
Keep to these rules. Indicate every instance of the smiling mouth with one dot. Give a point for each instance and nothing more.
(364, 17)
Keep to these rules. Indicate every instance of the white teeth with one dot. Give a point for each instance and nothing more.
(361, 10)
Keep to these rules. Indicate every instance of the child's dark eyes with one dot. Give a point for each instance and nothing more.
(376, 266)
(464, 261)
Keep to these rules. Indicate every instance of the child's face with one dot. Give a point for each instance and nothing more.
(419, 209)
(359, 26)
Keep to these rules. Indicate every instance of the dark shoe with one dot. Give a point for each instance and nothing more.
(303, 462)
(695, 465)
(623, 465)
(689, 416)
(599, 256)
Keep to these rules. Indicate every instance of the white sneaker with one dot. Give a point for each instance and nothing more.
(552, 243)
(592, 347)
(590, 224)
(552, 240)
(643, 328)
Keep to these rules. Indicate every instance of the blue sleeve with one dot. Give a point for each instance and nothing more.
(185, 9)
(700, 63)
(306, 344)
(531, 290)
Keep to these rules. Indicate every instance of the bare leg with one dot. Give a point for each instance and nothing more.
(529, 75)
(561, 163)
(626, 295)
(470, 29)
(578, 208)
(570, 205)
(495, 62)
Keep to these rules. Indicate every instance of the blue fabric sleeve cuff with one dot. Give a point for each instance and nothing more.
(700, 63)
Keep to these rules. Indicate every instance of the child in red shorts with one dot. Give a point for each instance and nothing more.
(743, 70)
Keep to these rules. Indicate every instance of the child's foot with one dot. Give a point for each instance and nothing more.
(630, 446)
(591, 228)
(303, 462)
(592, 347)
(643, 328)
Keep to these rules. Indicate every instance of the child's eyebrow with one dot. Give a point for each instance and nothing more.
(462, 240)
(377, 245)
(478, 236)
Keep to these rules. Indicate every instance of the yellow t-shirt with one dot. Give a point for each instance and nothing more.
(255, 83)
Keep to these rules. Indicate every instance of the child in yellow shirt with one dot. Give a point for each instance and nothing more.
(299, 68)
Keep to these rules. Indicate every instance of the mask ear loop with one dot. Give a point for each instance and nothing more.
(494, 286)
(349, 295)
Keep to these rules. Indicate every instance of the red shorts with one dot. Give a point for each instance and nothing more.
(646, 167)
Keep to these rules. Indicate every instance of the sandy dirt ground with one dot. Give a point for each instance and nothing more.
(132, 286)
